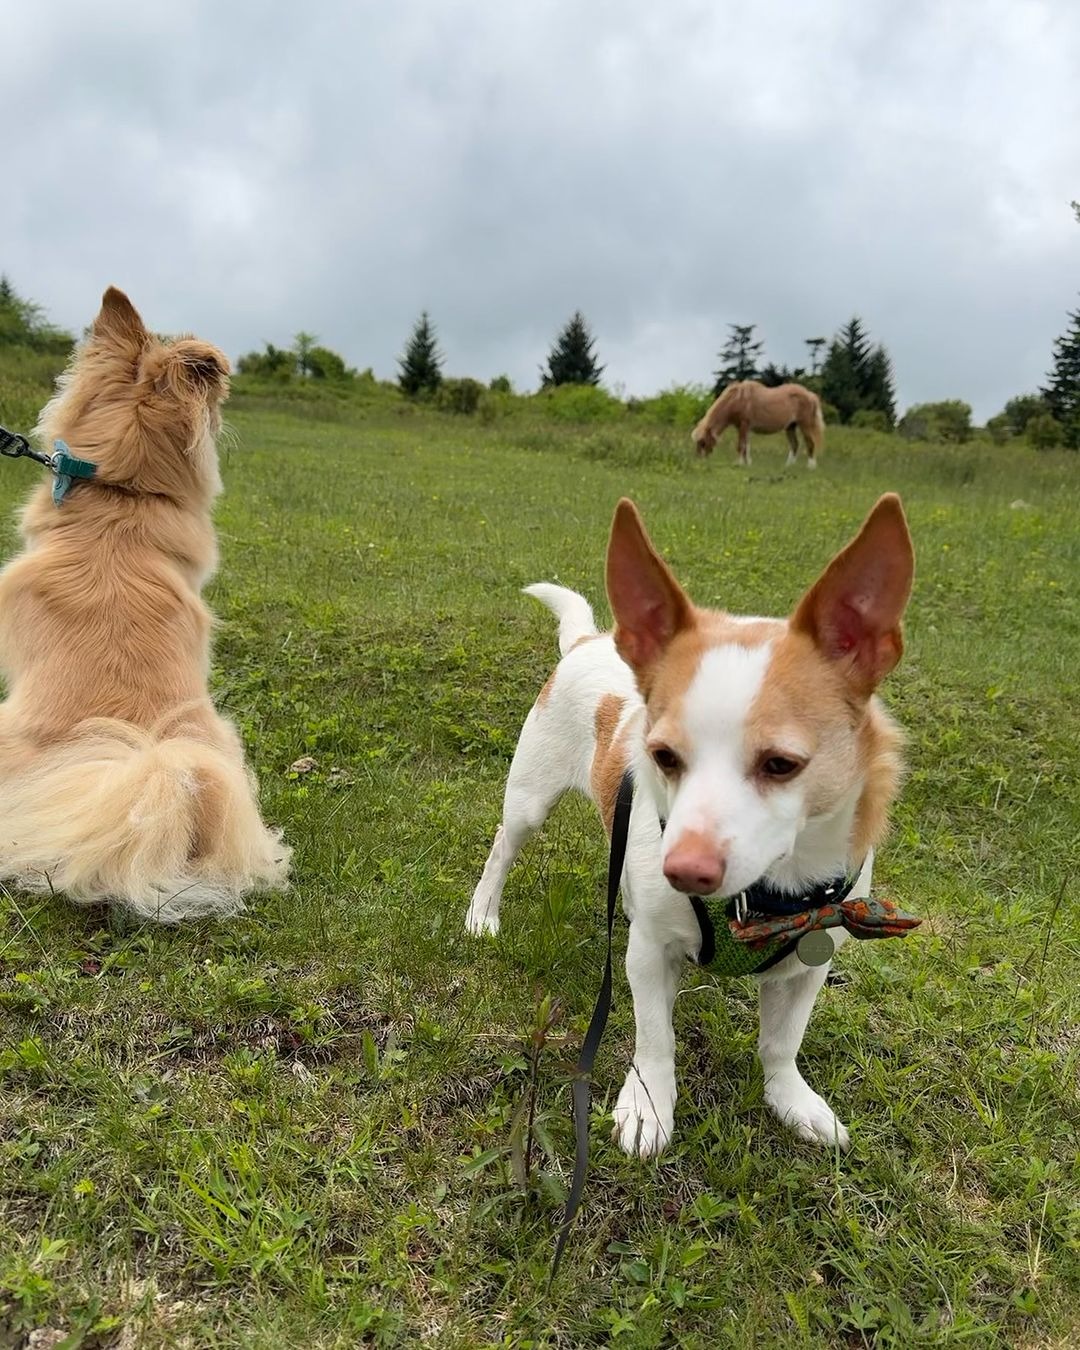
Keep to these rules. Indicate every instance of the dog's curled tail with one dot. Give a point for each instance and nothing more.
(572, 610)
(167, 827)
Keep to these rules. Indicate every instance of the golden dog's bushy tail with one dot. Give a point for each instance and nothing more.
(168, 827)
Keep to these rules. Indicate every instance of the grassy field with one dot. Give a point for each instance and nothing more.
(303, 1127)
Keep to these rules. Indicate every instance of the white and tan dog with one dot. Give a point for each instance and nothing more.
(761, 744)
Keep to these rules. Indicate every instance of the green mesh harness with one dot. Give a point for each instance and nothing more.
(721, 951)
(754, 930)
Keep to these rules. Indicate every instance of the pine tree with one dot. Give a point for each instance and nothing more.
(879, 391)
(421, 365)
(1062, 393)
(772, 375)
(815, 345)
(856, 376)
(840, 380)
(572, 359)
(739, 359)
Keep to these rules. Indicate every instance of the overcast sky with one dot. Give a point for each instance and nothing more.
(248, 169)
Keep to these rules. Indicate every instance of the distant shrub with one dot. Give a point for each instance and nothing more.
(681, 406)
(1021, 410)
(999, 429)
(830, 415)
(459, 396)
(323, 364)
(23, 325)
(272, 363)
(870, 419)
(579, 403)
(949, 420)
(317, 399)
(915, 426)
(501, 385)
(1044, 432)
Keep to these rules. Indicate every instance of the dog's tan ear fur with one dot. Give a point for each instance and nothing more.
(853, 611)
(199, 365)
(649, 605)
(118, 322)
(188, 369)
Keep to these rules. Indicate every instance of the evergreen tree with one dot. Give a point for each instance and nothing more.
(879, 391)
(840, 381)
(1062, 394)
(771, 375)
(739, 359)
(421, 365)
(856, 376)
(572, 359)
(815, 345)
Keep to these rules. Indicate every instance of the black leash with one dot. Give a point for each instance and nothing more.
(64, 465)
(620, 828)
(15, 446)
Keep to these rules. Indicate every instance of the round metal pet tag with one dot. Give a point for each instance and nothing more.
(815, 948)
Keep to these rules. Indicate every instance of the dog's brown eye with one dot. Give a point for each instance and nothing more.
(666, 760)
(779, 766)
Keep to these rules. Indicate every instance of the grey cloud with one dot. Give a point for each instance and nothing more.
(247, 171)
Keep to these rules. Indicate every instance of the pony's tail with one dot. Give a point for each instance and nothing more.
(819, 427)
(168, 828)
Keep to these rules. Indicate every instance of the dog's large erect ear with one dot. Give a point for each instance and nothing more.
(853, 611)
(118, 321)
(649, 605)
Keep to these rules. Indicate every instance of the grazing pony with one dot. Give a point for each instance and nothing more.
(751, 406)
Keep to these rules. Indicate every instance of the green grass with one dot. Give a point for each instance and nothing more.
(303, 1127)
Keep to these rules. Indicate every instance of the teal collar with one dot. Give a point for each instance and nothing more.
(66, 468)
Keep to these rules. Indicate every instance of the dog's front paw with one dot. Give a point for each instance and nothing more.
(644, 1115)
(801, 1109)
(482, 918)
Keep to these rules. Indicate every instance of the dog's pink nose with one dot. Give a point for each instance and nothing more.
(696, 865)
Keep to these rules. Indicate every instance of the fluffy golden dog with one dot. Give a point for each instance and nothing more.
(119, 781)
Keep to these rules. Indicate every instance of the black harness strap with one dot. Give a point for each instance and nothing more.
(620, 828)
